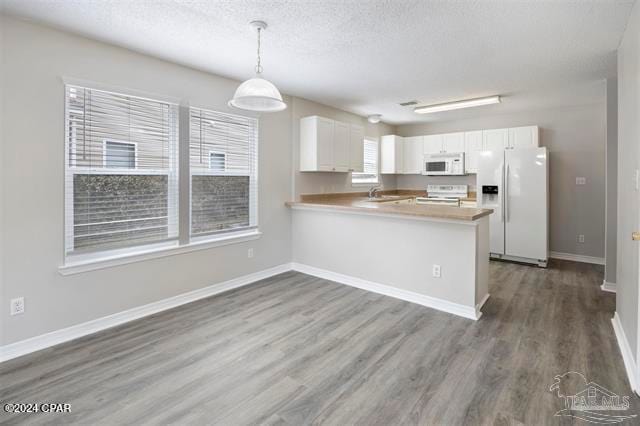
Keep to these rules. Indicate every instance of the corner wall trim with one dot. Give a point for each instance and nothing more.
(627, 354)
(470, 312)
(56, 337)
(576, 257)
(607, 286)
(481, 304)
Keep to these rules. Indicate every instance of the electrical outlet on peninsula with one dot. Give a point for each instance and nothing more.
(16, 306)
(436, 271)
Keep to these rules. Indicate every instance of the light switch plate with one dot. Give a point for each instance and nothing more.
(581, 181)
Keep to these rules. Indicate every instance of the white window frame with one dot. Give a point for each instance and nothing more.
(360, 183)
(224, 155)
(104, 154)
(79, 263)
(254, 189)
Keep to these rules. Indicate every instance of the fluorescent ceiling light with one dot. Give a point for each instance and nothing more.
(457, 105)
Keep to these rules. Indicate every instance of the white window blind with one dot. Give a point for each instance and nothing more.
(121, 171)
(223, 164)
(370, 173)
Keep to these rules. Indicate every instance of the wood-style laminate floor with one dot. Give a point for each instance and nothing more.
(295, 349)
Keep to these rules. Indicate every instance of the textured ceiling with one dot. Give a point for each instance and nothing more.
(366, 56)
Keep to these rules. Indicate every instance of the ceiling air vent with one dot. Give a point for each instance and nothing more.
(409, 103)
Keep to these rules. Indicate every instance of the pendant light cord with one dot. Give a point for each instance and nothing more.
(259, 67)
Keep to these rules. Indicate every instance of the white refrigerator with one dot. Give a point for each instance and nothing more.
(514, 183)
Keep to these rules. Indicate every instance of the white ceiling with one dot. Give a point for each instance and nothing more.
(366, 56)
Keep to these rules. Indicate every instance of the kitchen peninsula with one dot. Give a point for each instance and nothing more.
(433, 255)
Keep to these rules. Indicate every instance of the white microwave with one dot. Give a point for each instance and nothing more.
(450, 163)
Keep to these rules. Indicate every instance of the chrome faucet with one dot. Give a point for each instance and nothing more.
(373, 191)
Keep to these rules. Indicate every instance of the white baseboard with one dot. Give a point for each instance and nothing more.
(627, 353)
(576, 257)
(53, 338)
(607, 286)
(57, 337)
(409, 296)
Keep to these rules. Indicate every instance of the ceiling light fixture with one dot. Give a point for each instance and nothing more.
(258, 94)
(457, 105)
(374, 118)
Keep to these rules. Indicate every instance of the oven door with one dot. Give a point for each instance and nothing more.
(437, 167)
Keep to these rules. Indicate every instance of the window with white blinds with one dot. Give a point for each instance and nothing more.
(223, 169)
(121, 187)
(370, 172)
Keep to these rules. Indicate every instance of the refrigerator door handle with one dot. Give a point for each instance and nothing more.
(506, 196)
(501, 196)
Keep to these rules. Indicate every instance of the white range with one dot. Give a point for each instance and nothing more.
(448, 195)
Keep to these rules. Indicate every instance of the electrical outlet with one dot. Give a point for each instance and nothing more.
(436, 271)
(581, 238)
(250, 253)
(581, 181)
(16, 306)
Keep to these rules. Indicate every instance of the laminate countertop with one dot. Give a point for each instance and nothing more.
(360, 203)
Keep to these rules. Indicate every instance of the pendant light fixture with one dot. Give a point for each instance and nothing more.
(258, 94)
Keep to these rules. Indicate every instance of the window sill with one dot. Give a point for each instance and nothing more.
(140, 255)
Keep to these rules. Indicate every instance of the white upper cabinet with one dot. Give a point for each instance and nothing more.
(341, 146)
(472, 146)
(391, 154)
(453, 142)
(495, 139)
(330, 146)
(356, 149)
(402, 155)
(413, 155)
(432, 144)
(523, 137)
(316, 144)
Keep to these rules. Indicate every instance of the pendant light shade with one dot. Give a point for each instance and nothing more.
(258, 94)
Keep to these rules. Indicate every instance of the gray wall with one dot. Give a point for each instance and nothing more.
(322, 182)
(611, 215)
(3, 295)
(628, 136)
(36, 58)
(35, 61)
(575, 137)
